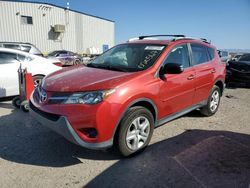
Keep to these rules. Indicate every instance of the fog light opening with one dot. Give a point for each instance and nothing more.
(89, 132)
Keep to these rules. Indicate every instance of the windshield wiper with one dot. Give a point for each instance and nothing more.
(108, 67)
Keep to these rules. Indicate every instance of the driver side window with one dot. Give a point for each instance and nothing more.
(179, 55)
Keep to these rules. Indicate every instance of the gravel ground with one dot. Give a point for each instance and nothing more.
(192, 151)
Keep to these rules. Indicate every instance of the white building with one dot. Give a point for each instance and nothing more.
(51, 27)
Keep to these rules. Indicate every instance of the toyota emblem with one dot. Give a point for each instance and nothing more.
(43, 96)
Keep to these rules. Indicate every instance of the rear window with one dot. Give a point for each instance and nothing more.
(211, 53)
(199, 54)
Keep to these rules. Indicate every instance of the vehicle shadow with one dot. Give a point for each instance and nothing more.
(6, 105)
(25, 141)
(195, 158)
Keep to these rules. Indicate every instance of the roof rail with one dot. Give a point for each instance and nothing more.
(191, 38)
(151, 36)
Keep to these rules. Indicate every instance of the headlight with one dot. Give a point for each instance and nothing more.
(93, 97)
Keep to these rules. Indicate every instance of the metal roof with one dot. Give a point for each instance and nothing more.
(36, 2)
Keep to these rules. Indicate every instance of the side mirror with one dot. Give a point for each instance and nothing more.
(171, 68)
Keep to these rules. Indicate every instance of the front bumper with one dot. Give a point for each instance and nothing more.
(63, 127)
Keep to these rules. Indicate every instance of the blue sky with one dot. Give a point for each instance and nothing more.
(225, 22)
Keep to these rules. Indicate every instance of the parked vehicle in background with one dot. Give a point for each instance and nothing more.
(66, 57)
(239, 71)
(121, 96)
(26, 47)
(236, 57)
(86, 59)
(10, 61)
(224, 55)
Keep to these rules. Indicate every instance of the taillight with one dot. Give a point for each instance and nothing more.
(59, 64)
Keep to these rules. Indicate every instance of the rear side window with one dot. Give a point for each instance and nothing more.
(211, 53)
(199, 54)
(178, 54)
(12, 46)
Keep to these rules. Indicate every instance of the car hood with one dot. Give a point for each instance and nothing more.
(82, 78)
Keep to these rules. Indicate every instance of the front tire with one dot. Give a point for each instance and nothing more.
(77, 62)
(213, 102)
(135, 131)
(24, 106)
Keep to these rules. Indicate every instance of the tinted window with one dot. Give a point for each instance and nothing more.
(178, 54)
(199, 54)
(7, 58)
(72, 53)
(211, 53)
(53, 53)
(245, 57)
(12, 46)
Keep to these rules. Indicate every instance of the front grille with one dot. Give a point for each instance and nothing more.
(52, 117)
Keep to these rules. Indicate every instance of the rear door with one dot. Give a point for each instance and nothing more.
(177, 91)
(204, 72)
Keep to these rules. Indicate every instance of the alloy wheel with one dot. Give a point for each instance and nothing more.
(137, 133)
(214, 101)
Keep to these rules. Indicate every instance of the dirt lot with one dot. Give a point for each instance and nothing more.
(192, 151)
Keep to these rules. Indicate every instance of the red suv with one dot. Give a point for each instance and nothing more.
(121, 96)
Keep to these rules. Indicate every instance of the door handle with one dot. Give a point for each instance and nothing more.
(213, 71)
(191, 77)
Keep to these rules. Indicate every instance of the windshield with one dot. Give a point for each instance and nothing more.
(53, 53)
(245, 57)
(128, 57)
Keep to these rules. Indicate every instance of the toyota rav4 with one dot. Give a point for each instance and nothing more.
(121, 96)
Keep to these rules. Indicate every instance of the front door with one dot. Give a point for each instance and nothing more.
(177, 90)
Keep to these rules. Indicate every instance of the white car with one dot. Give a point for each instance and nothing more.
(10, 61)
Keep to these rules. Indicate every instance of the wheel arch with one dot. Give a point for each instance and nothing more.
(144, 102)
(220, 84)
(38, 75)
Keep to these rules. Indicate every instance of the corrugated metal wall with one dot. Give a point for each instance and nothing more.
(82, 31)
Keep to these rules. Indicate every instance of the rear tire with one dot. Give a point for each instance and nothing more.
(213, 102)
(135, 131)
(16, 102)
